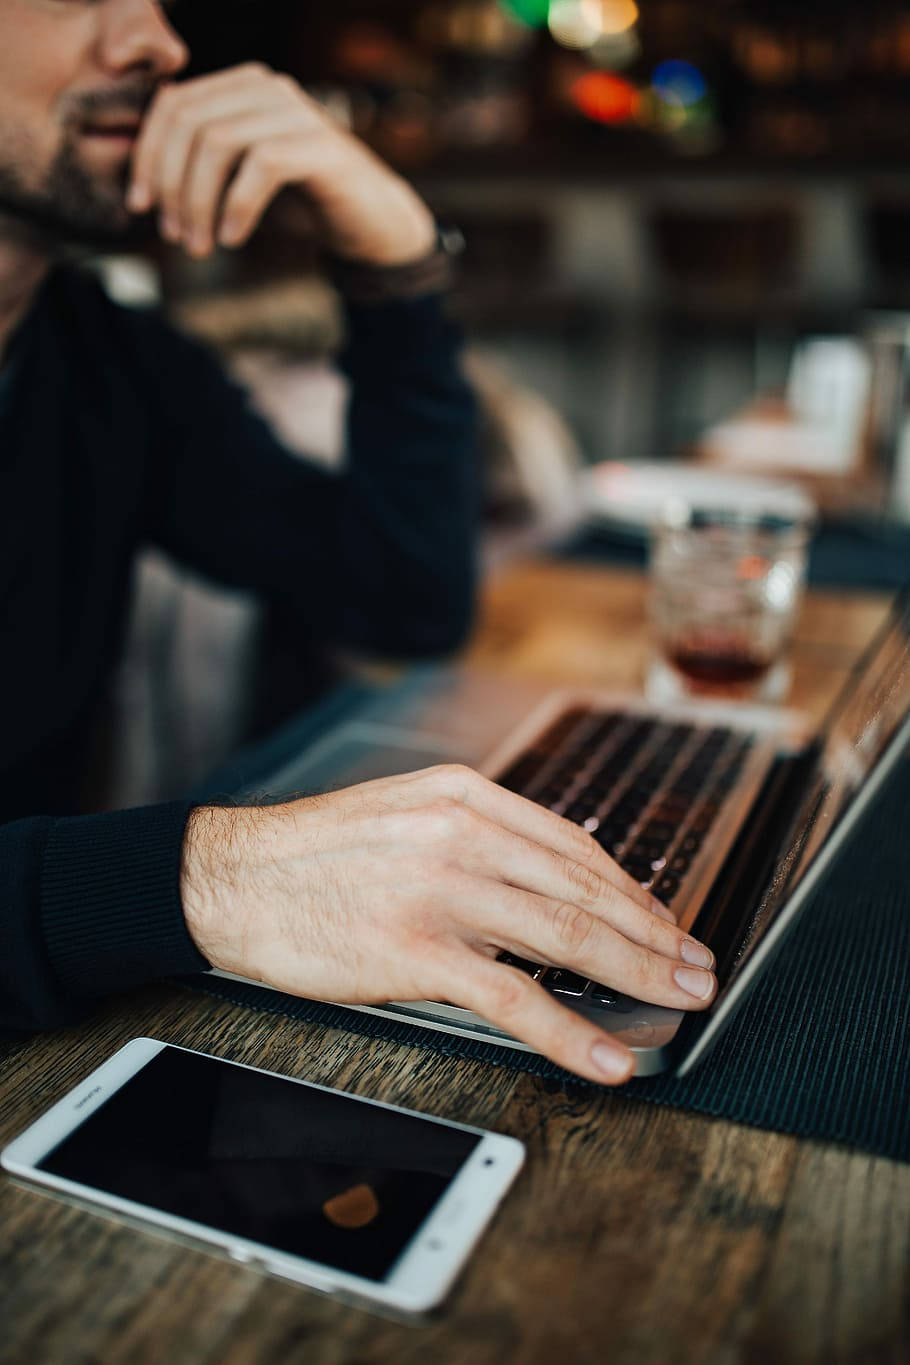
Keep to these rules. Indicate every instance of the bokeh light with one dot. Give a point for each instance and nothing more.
(604, 98)
(616, 16)
(580, 24)
(532, 12)
(616, 50)
(679, 83)
(575, 23)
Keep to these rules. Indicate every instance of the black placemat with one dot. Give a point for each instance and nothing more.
(861, 554)
(821, 1048)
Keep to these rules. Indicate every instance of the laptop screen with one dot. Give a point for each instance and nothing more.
(863, 721)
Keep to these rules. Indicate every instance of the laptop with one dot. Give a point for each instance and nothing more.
(732, 815)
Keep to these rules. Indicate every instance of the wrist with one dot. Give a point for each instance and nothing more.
(410, 242)
(206, 878)
(365, 282)
(392, 228)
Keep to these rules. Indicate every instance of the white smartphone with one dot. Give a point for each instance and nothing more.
(344, 1195)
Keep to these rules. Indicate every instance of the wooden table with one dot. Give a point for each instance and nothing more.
(635, 1233)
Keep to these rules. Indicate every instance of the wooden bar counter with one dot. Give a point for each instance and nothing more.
(635, 1233)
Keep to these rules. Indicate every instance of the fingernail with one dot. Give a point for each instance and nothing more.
(690, 950)
(699, 984)
(615, 1065)
(170, 228)
(663, 912)
(227, 234)
(197, 244)
(138, 198)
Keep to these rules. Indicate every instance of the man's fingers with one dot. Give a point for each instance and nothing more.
(217, 150)
(521, 863)
(169, 97)
(523, 1009)
(141, 195)
(565, 934)
(264, 170)
(180, 112)
(181, 141)
(535, 822)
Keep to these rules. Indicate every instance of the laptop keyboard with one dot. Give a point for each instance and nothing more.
(647, 790)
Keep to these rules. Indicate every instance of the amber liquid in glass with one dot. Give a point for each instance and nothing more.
(718, 663)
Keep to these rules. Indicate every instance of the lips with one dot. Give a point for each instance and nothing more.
(114, 130)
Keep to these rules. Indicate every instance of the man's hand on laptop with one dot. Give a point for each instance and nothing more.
(213, 153)
(407, 888)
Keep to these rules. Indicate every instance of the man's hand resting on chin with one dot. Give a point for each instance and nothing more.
(408, 887)
(213, 153)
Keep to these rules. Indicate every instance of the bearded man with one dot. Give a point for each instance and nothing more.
(115, 433)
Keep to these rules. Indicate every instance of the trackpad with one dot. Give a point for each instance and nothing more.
(355, 753)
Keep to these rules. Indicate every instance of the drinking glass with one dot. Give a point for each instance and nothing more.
(725, 589)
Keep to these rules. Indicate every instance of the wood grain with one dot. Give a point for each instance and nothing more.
(635, 1233)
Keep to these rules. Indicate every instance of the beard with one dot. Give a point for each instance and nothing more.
(73, 205)
(70, 206)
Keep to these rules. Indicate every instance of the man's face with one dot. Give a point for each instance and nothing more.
(75, 79)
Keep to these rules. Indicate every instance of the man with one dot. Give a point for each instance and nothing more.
(115, 432)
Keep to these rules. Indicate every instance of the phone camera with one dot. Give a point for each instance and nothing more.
(489, 1161)
(435, 1244)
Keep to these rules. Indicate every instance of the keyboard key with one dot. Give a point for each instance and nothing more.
(551, 740)
(703, 820)
(657, 832)
(517, 778)
(579, 810)
(670, 810)
(627, 812)
(603, 730)
(641, 871)
(533, 969)
(564, 982)
(644, 852)
(608, 998)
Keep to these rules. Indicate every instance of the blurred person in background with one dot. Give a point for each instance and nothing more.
(116, 432)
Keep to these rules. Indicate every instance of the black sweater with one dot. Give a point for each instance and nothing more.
(117, 432)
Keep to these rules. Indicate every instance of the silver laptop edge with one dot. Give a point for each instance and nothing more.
(786, 915)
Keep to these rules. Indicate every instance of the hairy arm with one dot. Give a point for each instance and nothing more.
(409, 887)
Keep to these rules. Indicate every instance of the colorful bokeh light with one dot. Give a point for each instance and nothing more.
(617, 16)
(535, 13)
(604, 98)
(579, 24)
(678, 82)
(576, 24)
(615, 51)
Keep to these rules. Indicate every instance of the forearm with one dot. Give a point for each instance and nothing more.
(380, 556)
(409, 527)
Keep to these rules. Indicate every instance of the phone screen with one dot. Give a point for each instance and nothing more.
(308, 1172)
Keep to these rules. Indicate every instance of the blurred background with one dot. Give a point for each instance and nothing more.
(687, 233)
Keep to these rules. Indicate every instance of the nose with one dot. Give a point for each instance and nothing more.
(137, 36)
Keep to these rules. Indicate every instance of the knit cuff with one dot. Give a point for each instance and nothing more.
(111, 913)
(368, 284)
